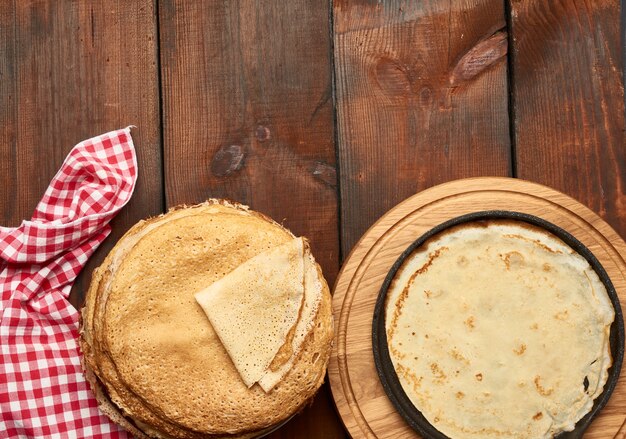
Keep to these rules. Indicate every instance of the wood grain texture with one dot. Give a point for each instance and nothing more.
(621, 434)
(360, 398)
(70, 71)
(569, 101)
(248, 116)
(421, 98)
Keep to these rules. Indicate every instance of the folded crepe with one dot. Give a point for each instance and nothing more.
(263, 310)
(255, 307)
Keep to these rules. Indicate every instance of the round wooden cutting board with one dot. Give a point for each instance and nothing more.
(361, 401)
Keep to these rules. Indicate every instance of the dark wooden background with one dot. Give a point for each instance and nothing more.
(320, 114)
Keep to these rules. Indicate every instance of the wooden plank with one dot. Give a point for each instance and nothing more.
(569, 112)
(69, 71)
(421, 99)
(248, 116)
(569, 101)
(9, 195)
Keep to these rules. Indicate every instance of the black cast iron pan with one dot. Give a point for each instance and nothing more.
(384, 366)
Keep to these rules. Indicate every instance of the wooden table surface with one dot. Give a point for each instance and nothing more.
(320, 114)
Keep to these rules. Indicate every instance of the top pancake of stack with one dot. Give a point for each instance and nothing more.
(150, 348)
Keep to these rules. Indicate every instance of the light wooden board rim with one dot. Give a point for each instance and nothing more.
(358, 394)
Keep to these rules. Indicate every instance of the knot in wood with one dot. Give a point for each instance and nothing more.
(479, 58)
(262, 133)
(392, 77)
(325, 173)
(227, 159)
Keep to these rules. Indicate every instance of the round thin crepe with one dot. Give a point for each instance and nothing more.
(499, 329)
(148, 342)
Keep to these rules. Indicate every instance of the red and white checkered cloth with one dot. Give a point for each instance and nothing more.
(43, 393)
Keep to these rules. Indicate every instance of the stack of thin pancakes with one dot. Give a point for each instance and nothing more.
(499, 329)
(211, 321)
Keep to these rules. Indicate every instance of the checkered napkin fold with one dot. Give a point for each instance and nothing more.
(43, 393)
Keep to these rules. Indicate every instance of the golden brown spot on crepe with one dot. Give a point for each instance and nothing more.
(397, 353)
(431, 257)
(534, 241)
(436, 419)
(563, 315)
(547, 267)
(437, 372)
(513, 257)
(460, 395)
(459, 357)
(409, 376)
(405, 291)
(542, 391)
(462, 261)
(428, 293)
(479, 376)
(469, 322)
(520, 350)
(534, 326)
(285, 352)
(400, 302)
(538, 416)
